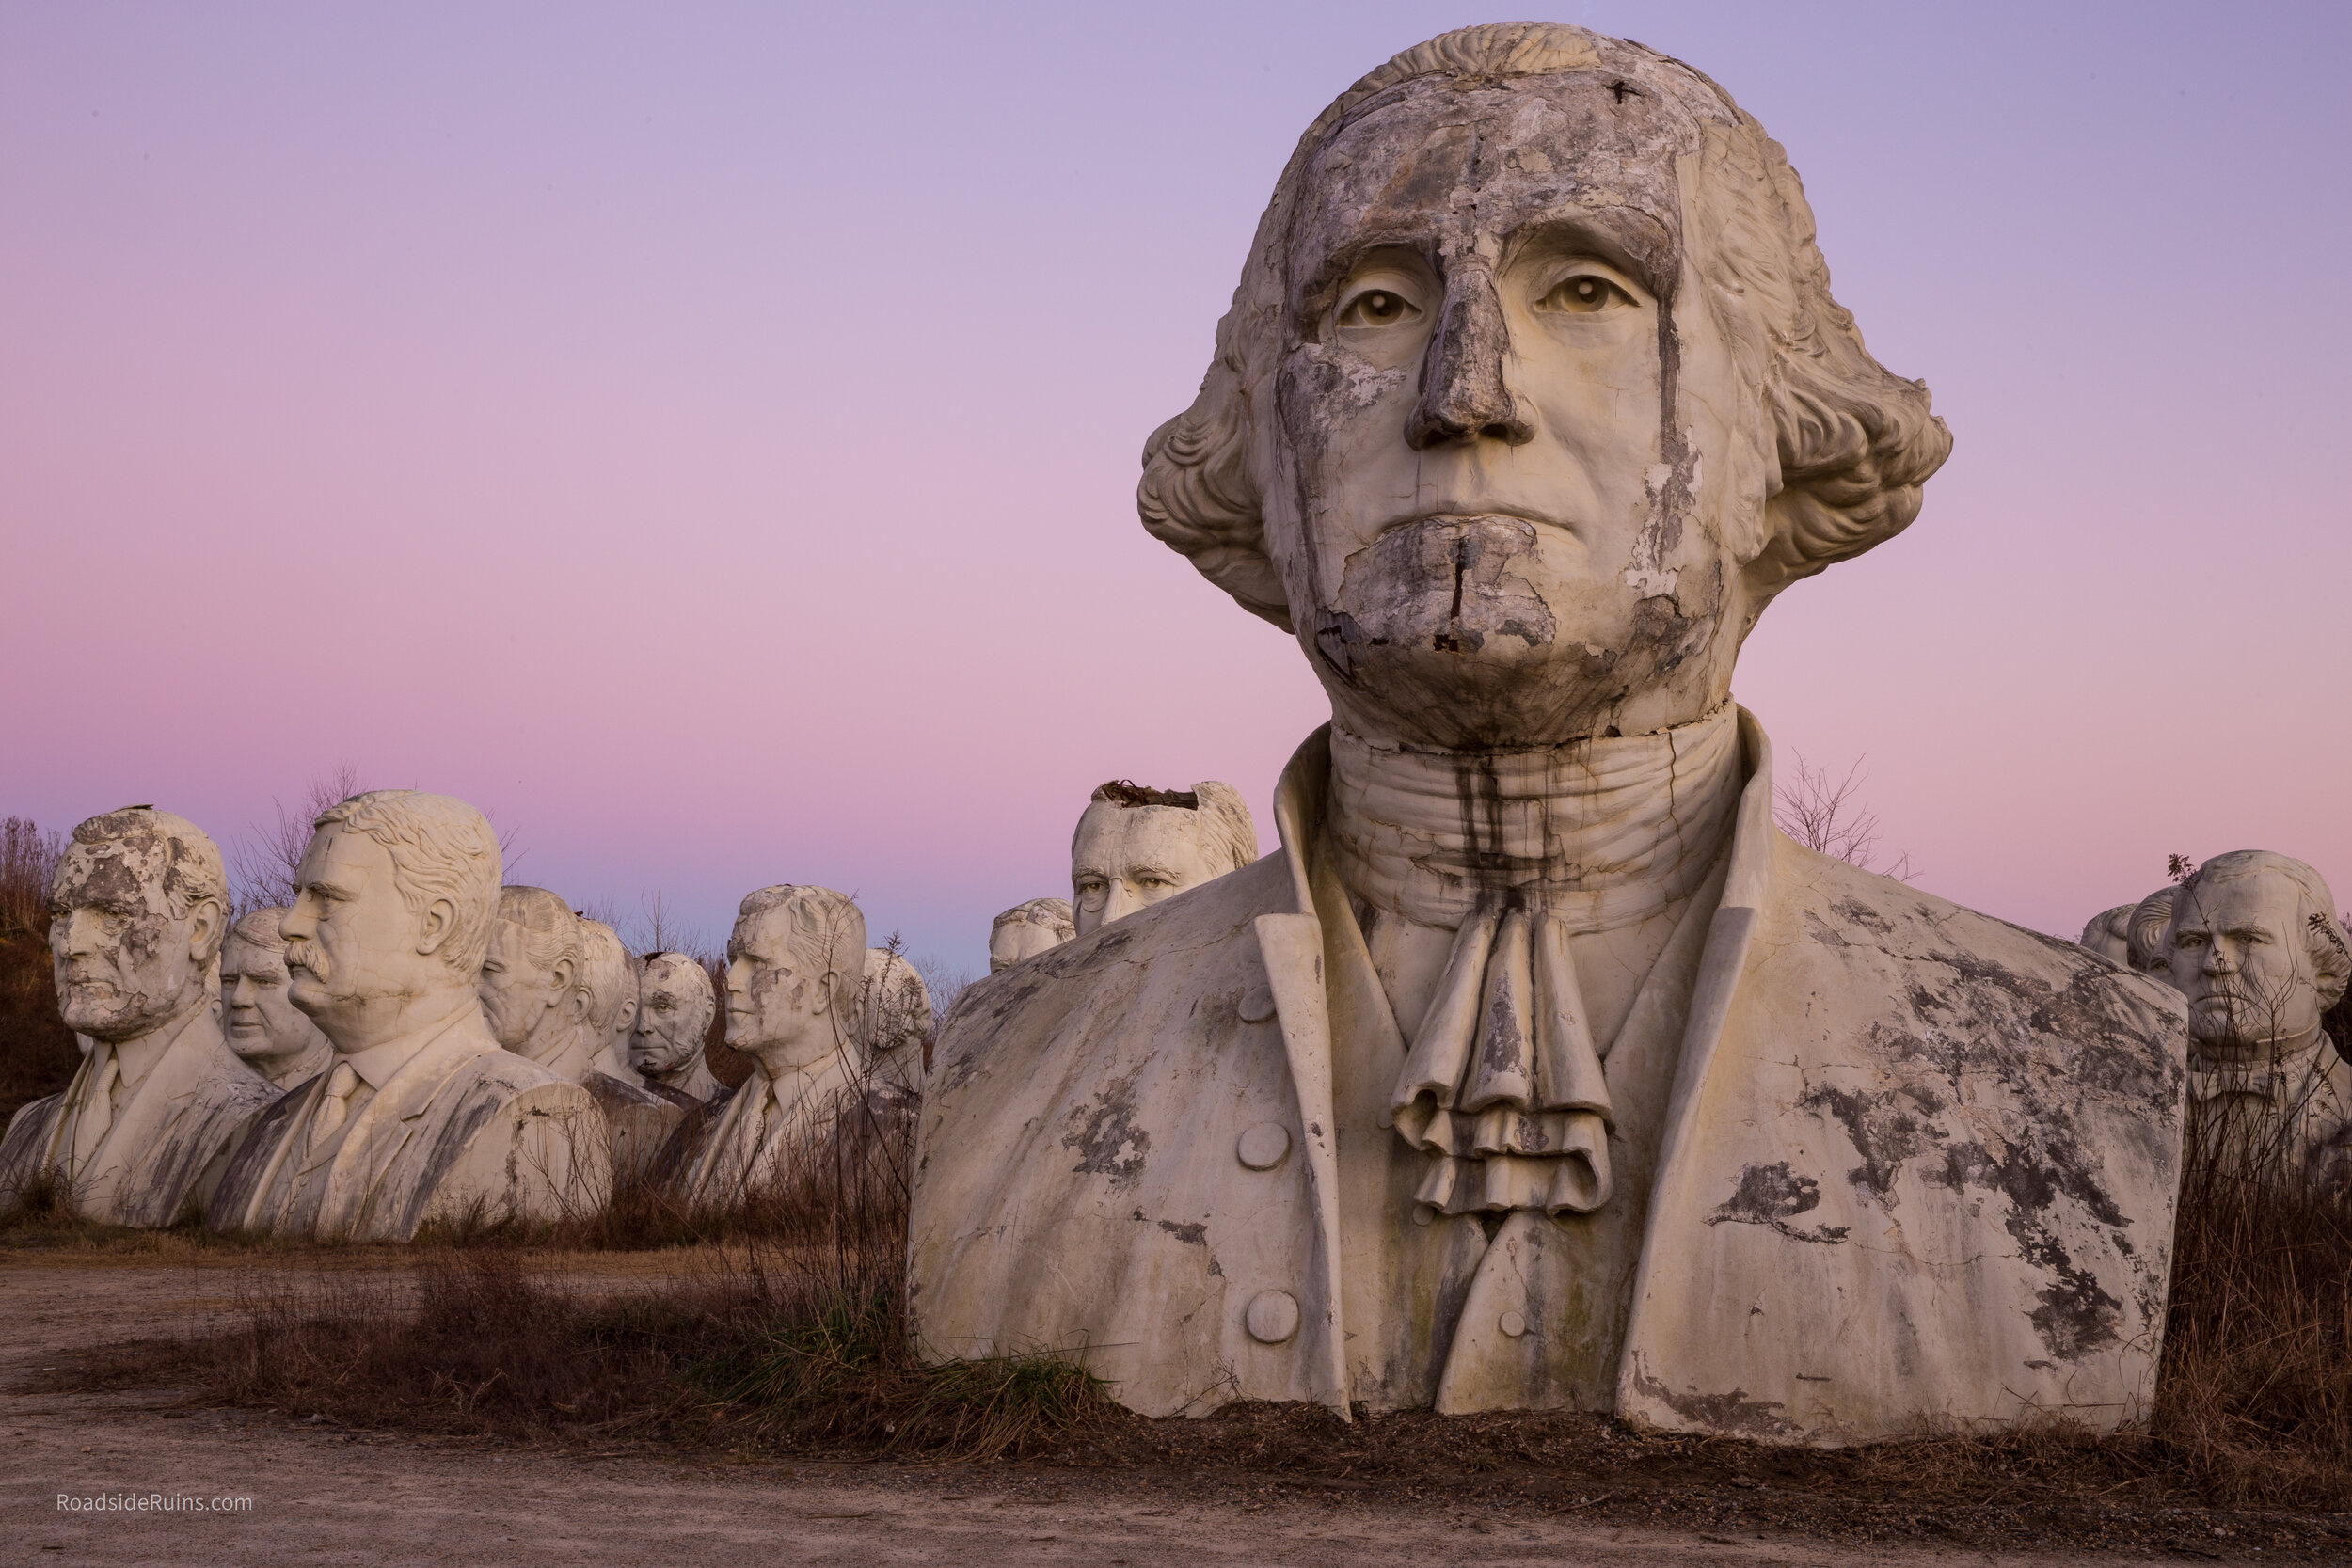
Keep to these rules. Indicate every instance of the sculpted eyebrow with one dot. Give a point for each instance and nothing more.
(1626, 237)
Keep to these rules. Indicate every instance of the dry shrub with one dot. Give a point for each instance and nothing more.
(2254, 1403)
(37, 1055)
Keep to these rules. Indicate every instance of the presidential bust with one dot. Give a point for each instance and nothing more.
(675, 1004)
(137, 910)
(796, 970)
(2254, 945)
(264, 1028)
(421, 1117)
(1136, 845)
(1027, 930)
(1537, 1069)
(895, 1013)
(534, 993)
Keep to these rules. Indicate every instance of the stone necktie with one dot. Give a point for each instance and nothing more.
(332, 1110)
(97, 1109)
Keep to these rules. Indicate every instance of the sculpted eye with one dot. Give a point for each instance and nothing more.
(1584, 294)
(1377, 308)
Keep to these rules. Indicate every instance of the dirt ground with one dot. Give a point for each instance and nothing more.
(319, 1495)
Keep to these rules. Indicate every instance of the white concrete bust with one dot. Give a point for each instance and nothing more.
(2254, 945)
(674, 1007)
(796, 967)
(265, 1029)
(138, 907)
(1136, 846)
(1537, 1046)
(608, 977)
(421, 1117)
(895, 1008)
(533, 991)
(1027, 930)
(2109, 933)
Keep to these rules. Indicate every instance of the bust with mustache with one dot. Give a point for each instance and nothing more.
(421, 1115)
(1538, 1070)
(138, 907)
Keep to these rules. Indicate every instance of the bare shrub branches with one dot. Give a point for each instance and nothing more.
(1827, 815)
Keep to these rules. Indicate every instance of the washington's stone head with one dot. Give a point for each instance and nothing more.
(1533, 395)
(138, 907)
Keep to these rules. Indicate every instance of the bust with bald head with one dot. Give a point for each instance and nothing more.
(421, 1116)
(1538, 1041)
(675, 1005)
(138, 907)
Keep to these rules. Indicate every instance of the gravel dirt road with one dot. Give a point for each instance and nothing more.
(319, 1495)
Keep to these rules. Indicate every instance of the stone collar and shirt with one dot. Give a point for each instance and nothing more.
(1559, 1080)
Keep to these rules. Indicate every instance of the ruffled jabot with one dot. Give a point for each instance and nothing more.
(1517, 852)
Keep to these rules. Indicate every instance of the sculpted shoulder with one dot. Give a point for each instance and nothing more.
(1851, 918)
(1205, 925)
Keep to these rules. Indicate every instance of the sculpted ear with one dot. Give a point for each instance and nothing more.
(440, 922)
(208, 924)
(1198, 498)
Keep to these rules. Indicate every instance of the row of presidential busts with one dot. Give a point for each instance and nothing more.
(412, 1041)
(2253, 942)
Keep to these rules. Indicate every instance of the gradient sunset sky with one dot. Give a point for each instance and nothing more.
(704, 435)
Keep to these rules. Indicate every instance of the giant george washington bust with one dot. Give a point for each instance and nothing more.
(1538, 1070)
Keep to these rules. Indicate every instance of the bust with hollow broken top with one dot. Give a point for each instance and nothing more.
(796, 968)
(137, 908)
(675, 1004)
(1537, 1069)
(421, 1117)
(2254, 945)
(1136, 845)
(264, 1028)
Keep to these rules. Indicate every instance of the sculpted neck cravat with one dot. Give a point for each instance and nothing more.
(1517, 852)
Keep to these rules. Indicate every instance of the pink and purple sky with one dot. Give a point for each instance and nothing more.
(704, 435)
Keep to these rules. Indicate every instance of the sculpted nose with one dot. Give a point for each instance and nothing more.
(1463, 394)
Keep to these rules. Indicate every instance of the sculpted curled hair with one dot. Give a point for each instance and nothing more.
(2146, 933)
(550, 930)
(441, 848)
(1848, 443)
(260, 928)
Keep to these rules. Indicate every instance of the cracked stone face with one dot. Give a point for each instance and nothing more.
(1507, 436)
(781, 995)
(124, 962)
(674, 1008)
(2240, 956)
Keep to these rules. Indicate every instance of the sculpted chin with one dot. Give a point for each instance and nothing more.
(1538, 1070)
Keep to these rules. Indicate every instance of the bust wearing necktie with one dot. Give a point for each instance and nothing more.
(796, 966)
(137, 912)
(421, 1115)
(1538, 1070)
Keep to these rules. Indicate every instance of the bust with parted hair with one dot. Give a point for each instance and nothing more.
(796, 974)
(1537, 1069)
(1027, 930)
(422, 1115)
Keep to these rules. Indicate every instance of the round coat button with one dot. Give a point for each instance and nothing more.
(1263, 1147)
(1272, 1317)
(1513, 1325)
(1257, 1004)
